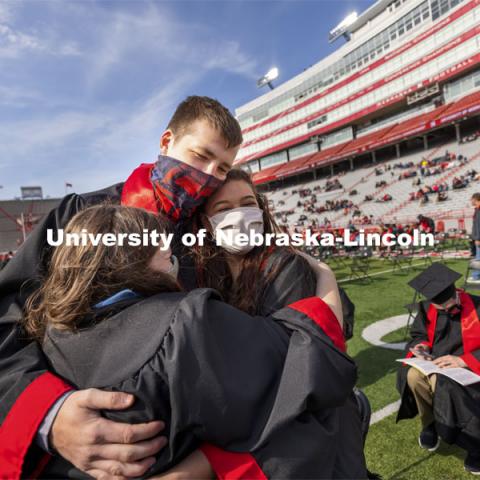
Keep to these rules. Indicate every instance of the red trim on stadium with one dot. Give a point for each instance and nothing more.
(370, 88)
(389, 56)
(23, 420)
(232, 466)
(318, 311)
(462, 108)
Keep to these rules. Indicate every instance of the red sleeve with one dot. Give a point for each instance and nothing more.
(232, 466)
(318, 311)
(23, 420)
(472, 362)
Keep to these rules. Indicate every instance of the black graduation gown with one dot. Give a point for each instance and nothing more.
(218, 375)
(27, 388)
(456, 408)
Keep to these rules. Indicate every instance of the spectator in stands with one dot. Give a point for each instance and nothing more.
(442, 196)
(368, 198)
(475, 202)
(386, 198)
(426, 224)
(459, 183)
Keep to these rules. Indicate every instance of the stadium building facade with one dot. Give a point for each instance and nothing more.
(409, 68)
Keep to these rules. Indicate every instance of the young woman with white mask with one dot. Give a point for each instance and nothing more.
(261, 279)
(248, 276)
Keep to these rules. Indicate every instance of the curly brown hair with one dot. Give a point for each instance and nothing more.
(248, 290)
(78, 277)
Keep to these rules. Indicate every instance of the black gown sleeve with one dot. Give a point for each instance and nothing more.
(293, 280)
(296, 280)
(27, 389)
(250, 385)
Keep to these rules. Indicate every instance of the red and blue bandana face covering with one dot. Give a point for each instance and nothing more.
(179, 188)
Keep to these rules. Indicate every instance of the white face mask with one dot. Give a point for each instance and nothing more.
(236, 221)
(173, 270)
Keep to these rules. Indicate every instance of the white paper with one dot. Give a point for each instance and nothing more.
(463, 376)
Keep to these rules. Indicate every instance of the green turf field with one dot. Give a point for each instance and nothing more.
(392, 449)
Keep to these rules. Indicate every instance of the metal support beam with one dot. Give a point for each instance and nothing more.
(457, 132)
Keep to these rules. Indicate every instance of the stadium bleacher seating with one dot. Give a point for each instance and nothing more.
(364, 181)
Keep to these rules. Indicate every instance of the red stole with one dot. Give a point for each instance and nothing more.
(138, 191)
(470, 325)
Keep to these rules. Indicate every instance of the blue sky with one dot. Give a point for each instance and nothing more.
(87, 87)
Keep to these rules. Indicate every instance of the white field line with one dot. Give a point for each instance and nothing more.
(384, 412)
(373, 334)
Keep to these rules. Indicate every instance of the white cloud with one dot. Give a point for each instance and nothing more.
(15, 41)
(109, 142)
(69, 135)
(169, 43)
(17, 96)
(6, 11)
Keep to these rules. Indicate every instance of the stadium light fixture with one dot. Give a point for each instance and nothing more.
(268, 78)
(342, 27)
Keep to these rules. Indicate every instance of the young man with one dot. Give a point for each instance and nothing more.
(447, 331)
(205, 137)
(198, 149)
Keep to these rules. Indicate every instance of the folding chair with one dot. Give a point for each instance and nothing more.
(359, 269)
(412, 309)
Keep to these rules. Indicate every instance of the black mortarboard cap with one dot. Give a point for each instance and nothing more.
(436, 283)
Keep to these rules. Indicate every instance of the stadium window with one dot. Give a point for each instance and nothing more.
(476, 80)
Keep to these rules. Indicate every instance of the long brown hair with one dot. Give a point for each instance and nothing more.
(78, 277)
(247, 292)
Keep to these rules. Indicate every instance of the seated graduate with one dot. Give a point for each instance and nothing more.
(446, 330)
(264, 388)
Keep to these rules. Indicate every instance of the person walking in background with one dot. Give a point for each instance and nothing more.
(476, 235)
